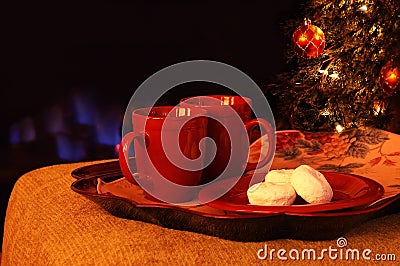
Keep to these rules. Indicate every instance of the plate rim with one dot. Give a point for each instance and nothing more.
(297, 209)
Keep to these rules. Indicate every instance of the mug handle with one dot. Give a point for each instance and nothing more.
(271, 140)
(123, 155)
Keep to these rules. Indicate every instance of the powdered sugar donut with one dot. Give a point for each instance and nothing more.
(271, 194)
(311, 185)
(279, 176)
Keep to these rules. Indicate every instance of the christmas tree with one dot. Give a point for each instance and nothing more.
(344, 65)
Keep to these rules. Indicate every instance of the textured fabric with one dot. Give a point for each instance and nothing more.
(49, 224)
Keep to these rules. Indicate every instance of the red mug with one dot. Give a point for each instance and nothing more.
(157, 164)
(220, 117)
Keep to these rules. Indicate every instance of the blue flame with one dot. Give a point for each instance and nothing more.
(14, 134)
(22, 131)
(64, 147)
(108, 126)
(84, 108)
(70, 150)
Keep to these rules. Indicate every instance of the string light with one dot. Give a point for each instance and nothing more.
(363, 8)
(339, 128)
(325, 72)
(325, 112)
(378, 108)
(334, 75)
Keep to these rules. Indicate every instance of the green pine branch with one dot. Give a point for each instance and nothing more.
(341, 85)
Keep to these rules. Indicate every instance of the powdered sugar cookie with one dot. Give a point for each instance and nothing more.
(279, 176)
(311, 185)
(271, 194)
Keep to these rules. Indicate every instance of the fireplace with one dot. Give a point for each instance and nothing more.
(69, 73)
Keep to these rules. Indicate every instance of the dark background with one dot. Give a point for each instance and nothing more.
(68, 70)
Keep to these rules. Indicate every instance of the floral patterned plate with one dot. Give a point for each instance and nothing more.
(368, 152)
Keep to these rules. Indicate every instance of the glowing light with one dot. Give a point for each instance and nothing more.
(23, 131)
(84, 108)
(378, 108)
(334, 75)
(339, 128)
(64, 148)
(108, 126)
(14, 134)
(363, 8)
(325, 112)
(69, 150)
(325, 72)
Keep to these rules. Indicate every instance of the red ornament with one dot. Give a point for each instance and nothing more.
(308, 40)
(389, 77)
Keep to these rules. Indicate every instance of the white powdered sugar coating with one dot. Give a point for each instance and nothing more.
(311, 185)
(279, 176)
(271, 194)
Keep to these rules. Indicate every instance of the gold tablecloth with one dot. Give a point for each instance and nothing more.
(49, 224)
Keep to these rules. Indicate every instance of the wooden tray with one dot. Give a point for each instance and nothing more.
(220, 223)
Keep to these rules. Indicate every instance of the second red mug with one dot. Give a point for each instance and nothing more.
(221, 119)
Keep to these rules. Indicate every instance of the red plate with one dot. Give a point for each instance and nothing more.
(349, 191)
(237, 226)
